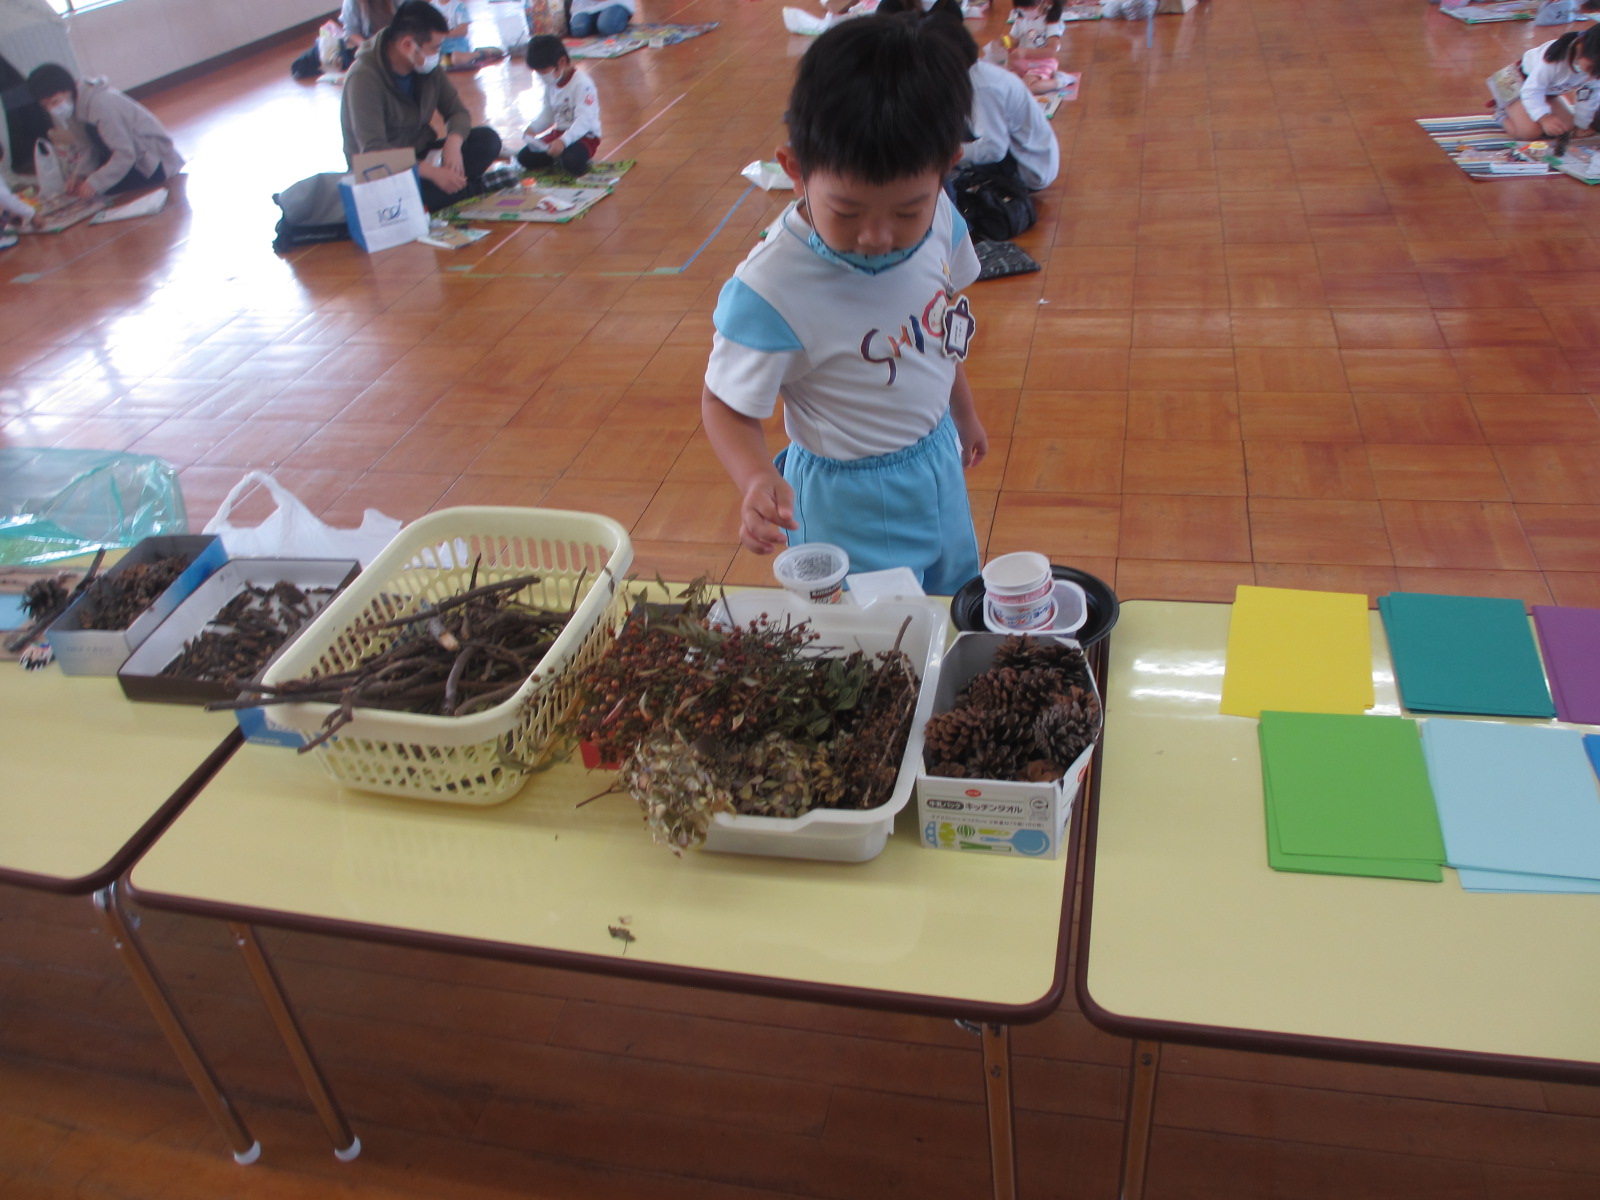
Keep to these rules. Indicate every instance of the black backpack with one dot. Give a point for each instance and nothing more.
(994, 201)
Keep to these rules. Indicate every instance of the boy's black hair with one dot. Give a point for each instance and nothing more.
(1571, 46)
(945, 19)
(545, 51)
(51, 79)
(1051, 15)
(417, 19)
(877, 99)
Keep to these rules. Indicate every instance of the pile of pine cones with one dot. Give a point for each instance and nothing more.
(1026, 719)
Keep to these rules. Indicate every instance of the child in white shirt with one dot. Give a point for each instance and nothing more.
(567, 130)
(1036, 33)
(1529, 95)
(850, 309)
(456, 52)
(12, 207)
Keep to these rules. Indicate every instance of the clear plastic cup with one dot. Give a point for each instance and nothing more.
(815, 570)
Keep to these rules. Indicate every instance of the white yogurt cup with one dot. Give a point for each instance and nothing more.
(1068, 616)
(815, 570)
(1019, 590)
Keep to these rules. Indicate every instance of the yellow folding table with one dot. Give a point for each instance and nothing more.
(1187, 935)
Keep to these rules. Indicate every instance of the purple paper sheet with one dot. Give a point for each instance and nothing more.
(1570, 640)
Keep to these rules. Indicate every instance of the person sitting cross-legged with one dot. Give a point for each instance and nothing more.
(392, 93)
(567, 130)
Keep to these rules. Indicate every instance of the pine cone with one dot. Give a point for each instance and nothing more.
(953, 736)
(1026, 653)
(1026, 718)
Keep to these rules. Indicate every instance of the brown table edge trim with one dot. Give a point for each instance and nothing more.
(1300, 1045)
(133, 849)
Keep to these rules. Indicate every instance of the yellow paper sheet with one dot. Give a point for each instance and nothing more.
(1297, 651)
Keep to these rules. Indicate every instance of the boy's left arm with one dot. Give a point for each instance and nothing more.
(964, 412)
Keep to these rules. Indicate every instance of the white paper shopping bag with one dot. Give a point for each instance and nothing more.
(384, 211)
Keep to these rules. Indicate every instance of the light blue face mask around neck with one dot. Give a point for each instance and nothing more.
(865, 264)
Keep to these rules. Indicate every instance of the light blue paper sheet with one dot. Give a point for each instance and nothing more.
(1473, 880)
(1517, 798)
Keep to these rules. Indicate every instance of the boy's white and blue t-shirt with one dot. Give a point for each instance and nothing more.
(865, 364)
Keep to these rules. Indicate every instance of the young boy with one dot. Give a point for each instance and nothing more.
(567, 129)
(850, 308)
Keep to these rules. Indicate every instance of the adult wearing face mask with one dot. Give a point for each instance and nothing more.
(131, 150)
(391, 94)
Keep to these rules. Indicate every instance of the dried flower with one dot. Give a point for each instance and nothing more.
(756, 719)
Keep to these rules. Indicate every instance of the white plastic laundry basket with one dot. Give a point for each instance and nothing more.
(484, 757)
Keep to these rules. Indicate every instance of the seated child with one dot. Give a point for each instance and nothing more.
(13, 210)
(138, 152)
(1036, 32)
(602, 18)
(567, 129)
(13, 207)
(1529, 95)
(850, 308)
(1007, 127)
(456, 52)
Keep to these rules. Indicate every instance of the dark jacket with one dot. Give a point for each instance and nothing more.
(376, 115)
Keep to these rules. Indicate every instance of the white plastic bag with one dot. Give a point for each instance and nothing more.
(293, 532)
(330, 46)
(768, 176)
(47, 165)
(384, 212)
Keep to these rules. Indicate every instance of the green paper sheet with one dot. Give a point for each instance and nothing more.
(1465, 654)
(1315, 864)
(1348, 795)
(1297, 651)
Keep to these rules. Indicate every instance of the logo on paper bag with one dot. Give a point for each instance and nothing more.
(389, 214)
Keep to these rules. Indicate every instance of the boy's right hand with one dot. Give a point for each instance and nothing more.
(767, 510)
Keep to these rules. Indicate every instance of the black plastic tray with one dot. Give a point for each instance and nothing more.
(966, 606)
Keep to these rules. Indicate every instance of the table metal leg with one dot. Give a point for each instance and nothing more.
(346, 1144)
(1141, 1110)
(997, 1093)
(245, 1147)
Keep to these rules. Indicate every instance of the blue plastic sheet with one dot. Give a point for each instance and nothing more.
(55, 504)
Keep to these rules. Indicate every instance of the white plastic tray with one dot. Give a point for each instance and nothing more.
(840, 835)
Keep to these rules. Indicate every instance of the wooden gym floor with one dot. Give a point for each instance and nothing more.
(1277, 339)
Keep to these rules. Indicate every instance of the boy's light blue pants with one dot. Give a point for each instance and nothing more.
(905, 509)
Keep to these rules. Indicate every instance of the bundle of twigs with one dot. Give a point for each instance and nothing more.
(246, 632)
(459, 656)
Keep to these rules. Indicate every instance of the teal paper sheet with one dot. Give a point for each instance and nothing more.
(1520, 799)
(1465, 654)
(1348, 795)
